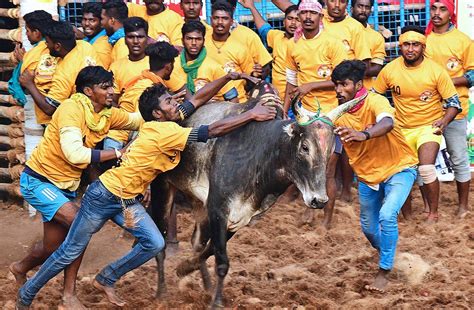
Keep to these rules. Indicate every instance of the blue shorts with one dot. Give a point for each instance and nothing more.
(44, 196)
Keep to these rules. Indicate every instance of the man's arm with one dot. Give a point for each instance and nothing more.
(304, 89)
(282, 4)
(258, 19)
(373, 69)
(466, 80)
(381, 128)
(27, 81)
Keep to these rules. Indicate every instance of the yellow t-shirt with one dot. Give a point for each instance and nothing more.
(277, 40)
(454, 51)
(379, 158)
(417, 91)
(351, 33)
(232, 56)
(104, 51)
(208, 71)
(44, 65)
(126, 70)
(129, 102)
(119, 50)
(48, 158)
(377, 51)
(313, 61)
(253, 44)
(157, 149)
(165, 26)
(64, 78)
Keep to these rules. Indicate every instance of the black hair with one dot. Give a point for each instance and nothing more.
(232, 3)
(95, 8)
(222, 6)
(61, 32)
(192, 26)
(148, 101)
(353, 70)
(353, 3)
(38, 20)
(134, 24)
(415, 28)
(161, 54)
(116, 9)
(93, 75)
(290, 9)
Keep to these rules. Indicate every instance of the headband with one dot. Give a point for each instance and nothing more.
(310, 5)
(412, 36)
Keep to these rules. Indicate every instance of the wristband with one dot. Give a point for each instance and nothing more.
(366, 134)
(118, 154)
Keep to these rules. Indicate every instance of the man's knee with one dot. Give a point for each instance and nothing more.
(154, 243)
(427, 173)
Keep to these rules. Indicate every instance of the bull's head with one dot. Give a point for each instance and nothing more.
(312, 143)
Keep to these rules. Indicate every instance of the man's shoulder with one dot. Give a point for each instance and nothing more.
(375, 99)
(168, 13)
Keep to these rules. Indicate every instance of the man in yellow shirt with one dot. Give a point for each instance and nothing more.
(194, 69)
(309, 64)
(94, 33)
(53, 172)
(361, 10)
(35, 60)
(227, 49)
(164, 24)
(419, 87)
(277, 40)
(116, 194)
(454, 51)
(384, 163)
(114, 13)
(72, 57)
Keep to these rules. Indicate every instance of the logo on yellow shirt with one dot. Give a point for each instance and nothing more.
(46, 66)
(426, 95)
(162, 38)
(347, 46)
(199, 83)
(229, 67)
(90, 61)
(452, 63)
(324, 71)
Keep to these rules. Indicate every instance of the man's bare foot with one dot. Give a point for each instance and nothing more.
(380, 282)
(109, 293)
(346, 195)
(307, 217)
(71, 303)
(326, 223)
(432, 218)
(20, 278)
(462, 212)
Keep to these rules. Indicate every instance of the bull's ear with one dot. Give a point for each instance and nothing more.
(291, 129)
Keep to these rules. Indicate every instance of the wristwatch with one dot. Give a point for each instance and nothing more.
(366, 134)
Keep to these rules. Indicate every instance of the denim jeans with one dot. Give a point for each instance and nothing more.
(379, 212)
(98, 205)
(455, 135)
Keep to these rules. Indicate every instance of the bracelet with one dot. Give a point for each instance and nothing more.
(366, 134)
(118, 154)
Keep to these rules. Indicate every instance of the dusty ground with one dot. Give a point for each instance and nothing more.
(278, 263)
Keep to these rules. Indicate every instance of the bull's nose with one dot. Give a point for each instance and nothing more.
(318, 203)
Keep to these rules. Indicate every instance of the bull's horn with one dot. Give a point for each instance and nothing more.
(337, 112)
(301, 118)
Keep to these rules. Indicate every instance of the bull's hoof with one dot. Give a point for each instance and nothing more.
(172, 248)
(161, 292)
(186, 267)
(217, 304)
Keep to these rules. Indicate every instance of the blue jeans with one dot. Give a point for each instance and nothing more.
(379, 213)
(98, 205)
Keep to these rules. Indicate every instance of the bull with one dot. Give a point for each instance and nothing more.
(234, 178)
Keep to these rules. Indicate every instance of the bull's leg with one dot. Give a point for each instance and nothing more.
(162, 196)
(331, 190)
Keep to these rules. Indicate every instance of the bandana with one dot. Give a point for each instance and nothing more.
(412, 36)
(92, 40)
(308, 5)
(120, 33)
(361, 93)
(191, 70)
(89, 112)
(450, 5)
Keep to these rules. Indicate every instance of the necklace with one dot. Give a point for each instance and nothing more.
(217, 47)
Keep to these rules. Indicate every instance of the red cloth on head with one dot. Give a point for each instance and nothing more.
(450, 5)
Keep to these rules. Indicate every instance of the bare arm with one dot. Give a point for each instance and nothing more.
(373, 69)
(257, 17)
(460, 81)
(379, 129)
(286, 102)
(304, 89)
(282, 4)
(258, 113)
(27, 81)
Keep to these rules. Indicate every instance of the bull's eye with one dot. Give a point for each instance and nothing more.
(305, 148)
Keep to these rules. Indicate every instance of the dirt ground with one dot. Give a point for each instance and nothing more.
(279, 263)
